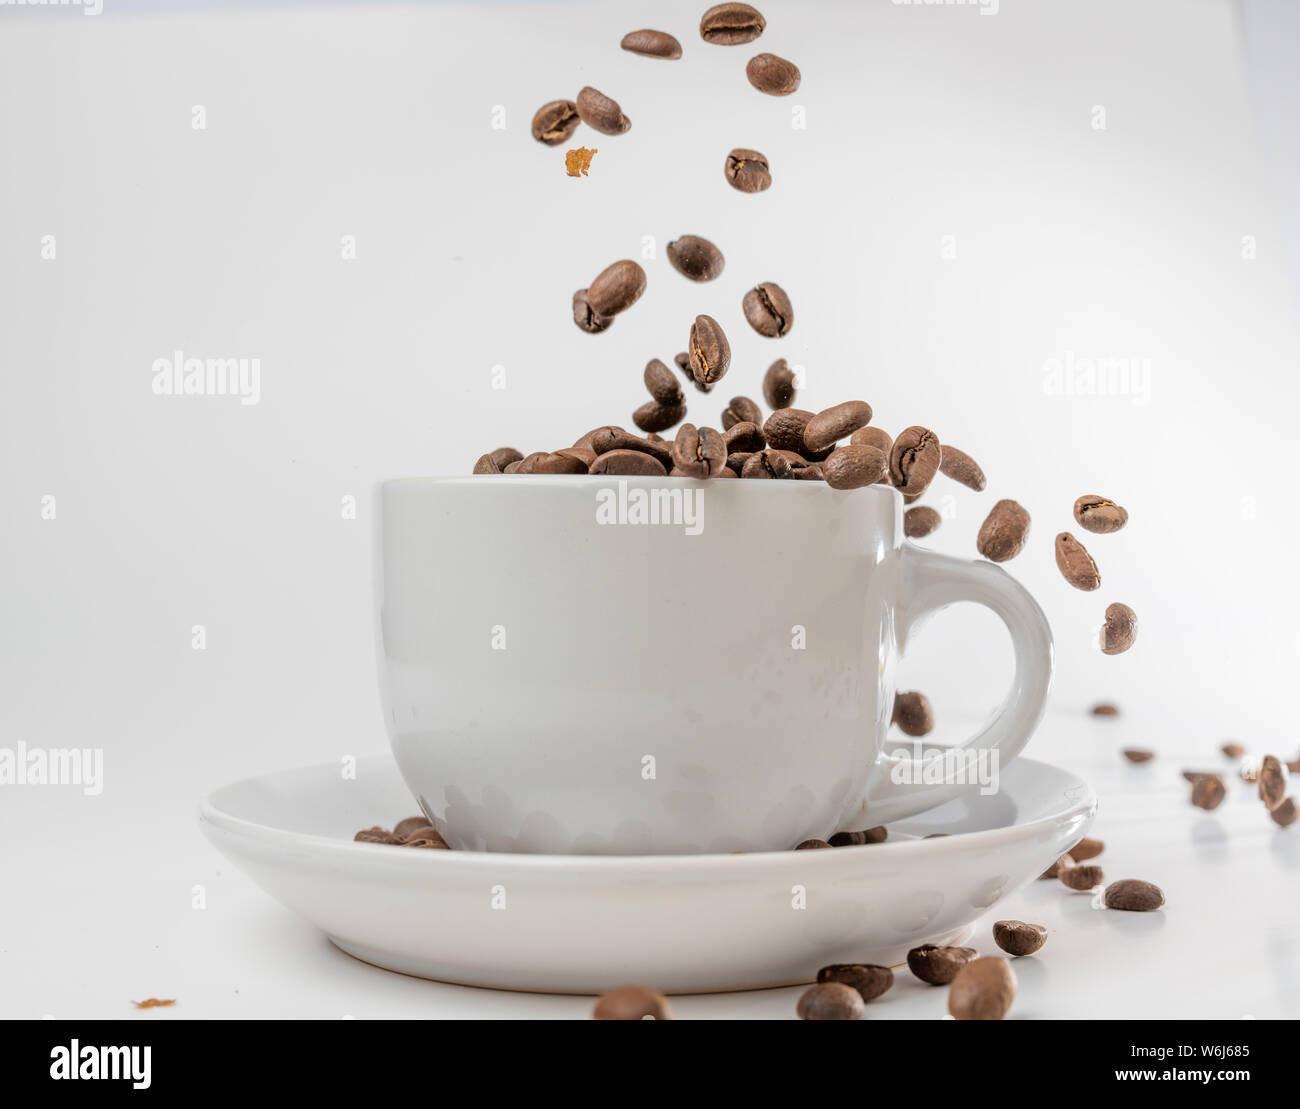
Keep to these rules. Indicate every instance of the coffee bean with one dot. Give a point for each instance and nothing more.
(778, 385)
(853, 467)
(1098, 515)
(486, 464)
(1208, 792)
(1081, 877)
(1104, 708)
(830, 1001)
(557, 463)
(1293, 767)
(404, 828)
(872, 437)
(661, 383)
(629, 463)
(1272, 782)
(796, 460)
(772, 75)
(1015, 937)
(1138, 754)
(513, 468)
(1002, 535)
(959, 466)
(600, 113)
(731, 24)
(766, 464)
(1195, 776)
(503, 456)
(920, 521)
(747, 170)
(869, 980)
(914, 460)
(586, 317)
(585, 455)
(555, 122)
(938, 965)
(616, 439)
(617, 287)
(832, 424)
(742, 410)
(811, 845)
(1054, 871)
(632, 1003)
(812, 472)
(695, 257)
(427, 838)
(653, 416)
(652, 44)
(912, 711)
(984, 990)
(1075, 563)
(743, 437)
(784, 428)
(590, 437)
(1134, 895)
(1086, 849)
(877, 834)
(1120, 629)
(736, 461)
(698, 452)
(380, 835)
(683, 362)
(769, 311)
(1233, 750)
(1285, 814)
(710, 353)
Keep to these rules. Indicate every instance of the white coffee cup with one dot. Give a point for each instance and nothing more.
(584, 665)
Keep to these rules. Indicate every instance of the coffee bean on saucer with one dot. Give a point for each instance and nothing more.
(1208, 792)
(741, 410)
(731, 24)
(1104, 708)
(695, 257)
(959, 466)
(601, 113)
(652, 44)
(772, 75)
(1233, 750)
(1285, 814)
(743, 437)
(698, 452)
(747, 170)
(376, 835)
(404, 828)
(767, 464)
(628, 463)
(1086, 849)
(1098, 515)
(616, 288)
(1015, 937)
(1120, 629)
(653, 416)
(870, 980)
(1002, 535)
(877, 834)
(811, 845)
(661, 383)
(830, 1001)
(708, 350)
(778, 386)
(853, 467)
(938, 965)
(1272, 782)
(913, 714)
(914, 459)
(1134, 896)
(1081, 877)
(428, 838)
(983, 990)
(832, 424)
(1054, 871)
(586, 317)
(872, 437)
(1075, 563)
(555, 122)
(920, 520)
(632, 1003)
(769, 311)
(1138, 754)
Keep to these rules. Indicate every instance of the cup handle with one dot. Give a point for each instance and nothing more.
(930, 582)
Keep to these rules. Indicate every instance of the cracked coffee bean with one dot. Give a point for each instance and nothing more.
(768, 310)
(778, 387)
(695, 257)
(632, 1003)
(743, 437)
(767, 464)
(1015, 937)
(601, 113)
(1002, 535)
(662, 384)
(914, 460)
(698, 452)
(959, 466)
(1120, 629)
(1272, 782)
(854, 467)
(586, 317)
(912, 713)
(773, 75)
(742, 410)
(984, 990)
(938, 965)
(617, 287)
(1081, 878)
(709, 351)
(1208, 792)
(747, 170)
(1285, 814)
(1138, 754)
(555, 122)
(1098, 515)
(877, 834)
(920, 520)
(830, 425)
(651, 44)
(1086, 849)
(869, 980)
(830, 1001)
(1075, 563)
(811, 845)
(1134, 896)
(654, 417)
(731, 24)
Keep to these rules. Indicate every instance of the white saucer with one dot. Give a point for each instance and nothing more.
(581, 924)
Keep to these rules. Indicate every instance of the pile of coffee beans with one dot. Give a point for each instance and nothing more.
(414, 831)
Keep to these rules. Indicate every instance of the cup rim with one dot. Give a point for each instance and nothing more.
(571, 481)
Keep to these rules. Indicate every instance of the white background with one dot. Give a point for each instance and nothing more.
(377, 122)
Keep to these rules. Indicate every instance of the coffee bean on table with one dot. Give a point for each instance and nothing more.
(653, 416)
(1134, 896)
(1104, 708)
(1081, 878)
(555, 122)
(914, 460)
(912, 712)
(854, 467)
(741, 410)
(1098, 515)
(783, 429)
(695, 257)
(628, 463)
(1138, 754)
(959, 466)
(661, 383)
(601, 113)
(811, 845)
(698, 452)
(767, 464)
(731, 24)
(652, 44)
(1086, 849)
(1015, 937)
(747, 170)
(769, 311)
(984, 990)
(632, 1003)
(773, 75)
(830, 1001)
(617, 287)
(586, 317)
(830, 425)
(1075, 563)
(872, 437)
(1272, 782)
(1120, 629)
(1002, 535)
(920, 520)
(870, 980)
(778, 388)
(709, 351)
(1233, 750)
(1208, 792)
(1285, 814)
(938, 965)
(877, 834)
(1054, 871)
(743, 437)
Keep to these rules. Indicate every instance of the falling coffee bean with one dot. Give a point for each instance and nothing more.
(853, 467)
(959, 466)
(1002, 535)
(767, 464)
(811, 845)
(773, 75)
(1015, 937)
(1075, 563)
(872, 437)
(938, 965)
(628, 463)
(1098, 515)
(1195, 776)
(920, 520)
(652, 44)
(1081, 878)
(731, 24)
(632, 1003)
(1233, 750)
(1054, 871)
(586, 317)
(877, 834)
(709, 351)
(742, 410)
(601, 113)
(555, 122)
(1285, 814)
(653, 416)
(1272, 782)
(1134, 896)
(914, 460)
(1104, 708)
(832, 424)
(617, 287)
(1120, 629)
(695, 257)
(912, 711)
(743, 437)
(1138, 754)
(769, 311)
(747, 170)
(778, 388)
(698, 452)
(830, 1001)
(1086, 849)
(870, 980)
(661, 383)
(984, 990)
(1208, 792)
(683, 362)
